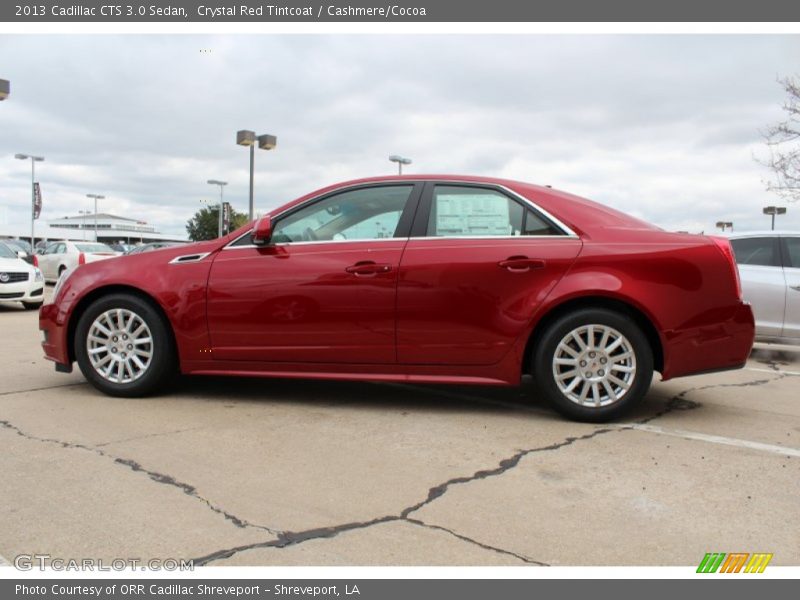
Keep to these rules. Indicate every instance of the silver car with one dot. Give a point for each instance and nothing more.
(769, 267)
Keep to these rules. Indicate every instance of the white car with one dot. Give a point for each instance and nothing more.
(60, 256)
(19, 281)
(769, 267)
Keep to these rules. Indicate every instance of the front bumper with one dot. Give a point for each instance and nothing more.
(723, 342)
(53, 324)
(22, 291)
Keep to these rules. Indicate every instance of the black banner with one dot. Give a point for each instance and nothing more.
(128, 11)
(226, 217)
(730, 588)
(37, 200)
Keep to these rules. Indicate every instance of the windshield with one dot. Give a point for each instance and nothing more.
(6, 252)
(93, 248)
(18, 244)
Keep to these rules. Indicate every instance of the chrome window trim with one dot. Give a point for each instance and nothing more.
(568, 232)
(424, 237)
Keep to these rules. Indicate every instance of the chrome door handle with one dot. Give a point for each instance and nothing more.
(368, 267)
(520, 264)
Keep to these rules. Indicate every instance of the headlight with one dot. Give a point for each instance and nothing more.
(37, 275)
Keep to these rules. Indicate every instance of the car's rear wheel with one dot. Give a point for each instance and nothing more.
(593, 364)
(124, 347)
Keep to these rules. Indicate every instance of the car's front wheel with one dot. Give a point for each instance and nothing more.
(124, 347)
(593, 364)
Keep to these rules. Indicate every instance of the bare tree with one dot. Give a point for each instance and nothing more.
(783, 142)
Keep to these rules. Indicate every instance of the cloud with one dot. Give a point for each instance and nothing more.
(664, 127)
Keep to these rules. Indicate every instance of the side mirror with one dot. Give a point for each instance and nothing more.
(263, 231)
(21, 254)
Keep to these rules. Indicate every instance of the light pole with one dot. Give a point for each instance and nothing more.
(725, 225)
(221, 185)
(245, 137)
(774, 210)
(400, 160)
(96, 198)
(5, 89)
(34, 160)
(83, 214)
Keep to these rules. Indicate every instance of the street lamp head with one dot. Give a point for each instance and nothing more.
(217, 182)
(21, 156)
(95, 196)
(5, 89)
(267, 142)
(400, 159)
(774, 210)
(245, 137)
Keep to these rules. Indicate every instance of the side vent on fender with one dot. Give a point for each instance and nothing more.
(188, 258)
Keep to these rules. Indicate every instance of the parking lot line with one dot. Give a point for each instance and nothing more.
(778, 371)
(713, 439)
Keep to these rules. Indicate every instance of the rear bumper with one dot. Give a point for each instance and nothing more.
(722, 342)
(53, 326)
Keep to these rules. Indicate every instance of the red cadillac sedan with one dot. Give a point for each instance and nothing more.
(429, 279)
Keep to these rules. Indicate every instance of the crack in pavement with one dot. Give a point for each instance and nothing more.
(505, 465)
(680, 402)
(286, 539)
(291, 538)
(186, 488)
(476, 542)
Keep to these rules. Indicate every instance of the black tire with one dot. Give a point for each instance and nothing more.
(162, 366)
(32, 305)
(547, 351)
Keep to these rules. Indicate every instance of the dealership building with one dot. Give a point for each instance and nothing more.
(110, 229)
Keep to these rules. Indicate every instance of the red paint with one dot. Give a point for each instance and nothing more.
(423, 309)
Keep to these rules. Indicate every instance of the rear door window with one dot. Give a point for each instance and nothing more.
(458, 211)
(757, 251)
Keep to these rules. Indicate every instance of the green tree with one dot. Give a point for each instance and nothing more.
(205, 223)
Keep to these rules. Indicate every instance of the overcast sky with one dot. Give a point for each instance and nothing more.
(664, 127)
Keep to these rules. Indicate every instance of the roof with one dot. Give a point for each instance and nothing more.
(758, 233)
(98, 215)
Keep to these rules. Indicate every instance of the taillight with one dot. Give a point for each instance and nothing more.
(35, 261)
(725, 247)
(81, 259)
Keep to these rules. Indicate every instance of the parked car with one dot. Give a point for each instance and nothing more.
(438, 279)
(22, 249)
(769, 266)
(63, 255)
(151, 246)
(19, 280)
(120, 247)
